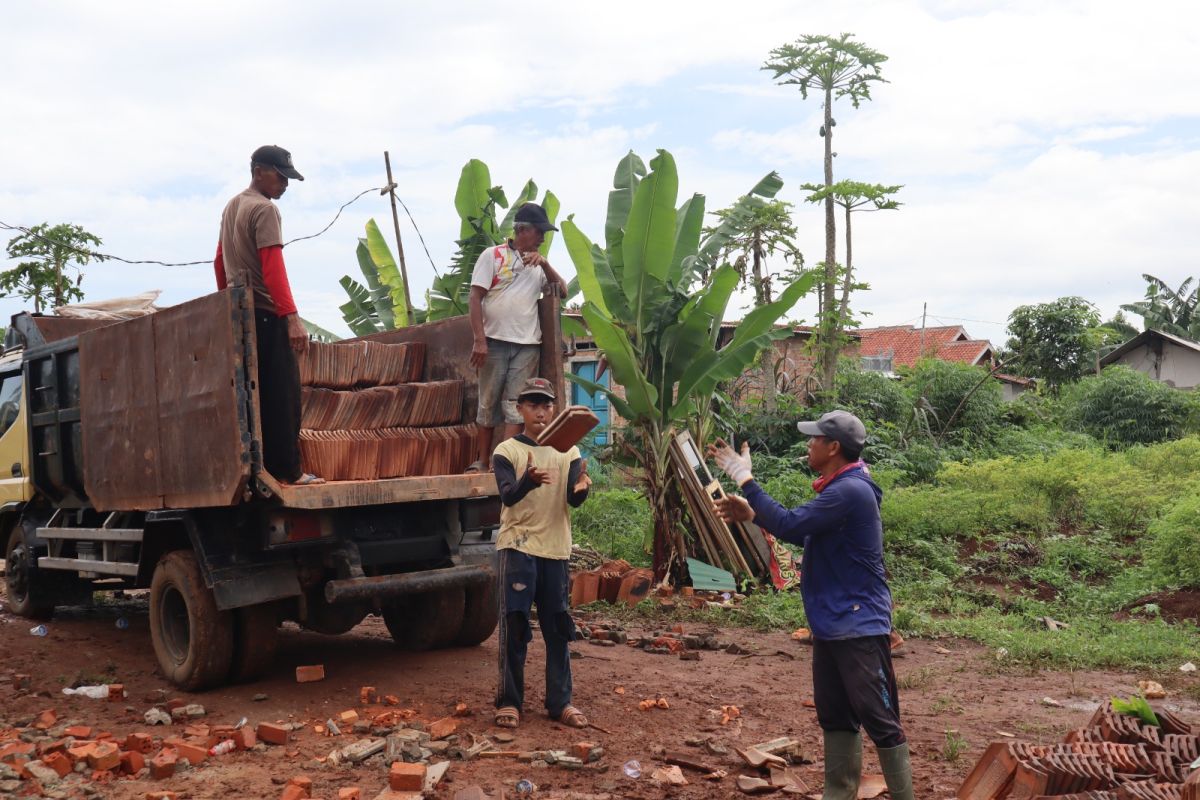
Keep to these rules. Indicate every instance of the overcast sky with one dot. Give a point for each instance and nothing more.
(1045, 148)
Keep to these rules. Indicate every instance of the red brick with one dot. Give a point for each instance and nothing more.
(348, 717)
(293, 792)
(21, 681)
(350, 793)
(582, 750)
(104, 756)
(163, 765)
(59, 763)
(304, 782)
(102, 776)
(132, 762)
(139, 742)
(81, 751)
(116, 692)
(244, 737)
(59, 746)
(315, 672)
(440, 729)
(10, 752)
(161, 795)
(367, 695)
(46, 719)
(271, 733)
(173, 704)
(78, 732)
(194, 753)
(405, 777)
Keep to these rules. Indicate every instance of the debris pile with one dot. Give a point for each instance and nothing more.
(1114, 757)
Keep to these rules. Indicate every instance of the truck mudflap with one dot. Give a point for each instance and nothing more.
(369, 588)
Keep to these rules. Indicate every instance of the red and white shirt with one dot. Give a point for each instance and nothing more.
(510, 311)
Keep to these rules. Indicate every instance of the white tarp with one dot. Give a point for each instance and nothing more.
(118, 308)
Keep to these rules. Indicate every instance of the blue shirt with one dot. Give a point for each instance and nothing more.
(842, 579)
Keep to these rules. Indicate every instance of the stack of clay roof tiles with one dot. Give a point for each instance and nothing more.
(1115, 757)
(366, 415)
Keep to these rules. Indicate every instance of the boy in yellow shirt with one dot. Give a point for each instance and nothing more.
(533, 550)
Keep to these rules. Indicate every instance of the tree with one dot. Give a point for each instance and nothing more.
(851, 196)
(656, 319)
(49, 253)
(768, 231)
(837, 67)
(1054, 342)
(1169, 310)
(1123, 407)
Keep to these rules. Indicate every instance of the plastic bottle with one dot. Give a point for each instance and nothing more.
(122, 624)
(39, 630)
(633, 769)
(526, 788)
(98, 692)
(221, 748)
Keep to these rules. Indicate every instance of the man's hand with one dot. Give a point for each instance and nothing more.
(297, 335)
(734, 508)
(541, 477)
(479, 353)
(736, 466)
(584, 481)
(535, 259)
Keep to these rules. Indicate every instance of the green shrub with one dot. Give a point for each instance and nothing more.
(615, 522)
(1175, 543)
(872, 396)
(791, 489)
(1123, 407)
(944, 386)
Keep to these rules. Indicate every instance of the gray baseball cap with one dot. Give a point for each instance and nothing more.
(841, 426)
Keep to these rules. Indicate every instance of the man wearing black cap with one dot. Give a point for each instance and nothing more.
(250, 254)
(505, 287)
(537, 484)
(846, 598)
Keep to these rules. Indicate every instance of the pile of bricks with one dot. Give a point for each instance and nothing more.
(1114, 757)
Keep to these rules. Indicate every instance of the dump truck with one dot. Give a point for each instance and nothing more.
(135, 459)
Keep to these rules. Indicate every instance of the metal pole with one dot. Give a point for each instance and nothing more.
(921, 352)
(391, 190)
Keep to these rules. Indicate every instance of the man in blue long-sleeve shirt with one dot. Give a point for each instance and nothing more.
(846, 598)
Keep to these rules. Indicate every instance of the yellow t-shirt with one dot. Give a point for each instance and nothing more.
(540, 522)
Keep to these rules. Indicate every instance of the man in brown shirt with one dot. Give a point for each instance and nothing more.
(250, 254)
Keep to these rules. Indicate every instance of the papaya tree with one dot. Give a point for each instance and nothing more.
(654, 298)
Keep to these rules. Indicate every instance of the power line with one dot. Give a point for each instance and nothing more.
(107, 257)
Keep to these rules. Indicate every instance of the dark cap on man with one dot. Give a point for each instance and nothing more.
(536, 387)
(840, 426)
(535, 215)
(272, 155)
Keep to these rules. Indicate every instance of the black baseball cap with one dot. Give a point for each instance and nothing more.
(536, 387)
(535, 215)
(272, 155)
(841, 426)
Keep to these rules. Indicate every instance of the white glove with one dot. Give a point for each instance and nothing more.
(737, 467)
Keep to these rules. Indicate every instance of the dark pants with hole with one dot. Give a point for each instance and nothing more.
(854, 686)
(278, 397)
(526, 581)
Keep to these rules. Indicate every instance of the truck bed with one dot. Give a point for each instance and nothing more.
(341, 494)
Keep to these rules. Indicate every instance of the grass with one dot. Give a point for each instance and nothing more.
(954, 746)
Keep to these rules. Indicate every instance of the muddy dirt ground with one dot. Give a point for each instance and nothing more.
(945, 686)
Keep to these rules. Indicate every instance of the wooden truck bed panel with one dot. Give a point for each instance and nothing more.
(340, 494)
(160, 411)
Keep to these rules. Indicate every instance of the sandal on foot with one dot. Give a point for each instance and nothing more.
(507, 717)
(307, 479)
(572, 717)
(476, 466)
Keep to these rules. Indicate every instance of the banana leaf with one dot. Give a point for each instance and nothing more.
(380, 296)
(359, 311)
(623, 408)
(527, 193)
(319, 333)
(550, 205)
(389, 273)
(630, 170)
(472, 194)
(592, 274)
(689, 223)
(641, 397)
(650, 237)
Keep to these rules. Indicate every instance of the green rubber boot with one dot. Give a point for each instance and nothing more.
(897, 771)
(843, 765)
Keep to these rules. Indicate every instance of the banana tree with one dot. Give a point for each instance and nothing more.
(477, 203)
(654, 299)
(371, 307)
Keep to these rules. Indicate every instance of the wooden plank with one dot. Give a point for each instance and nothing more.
(86, 565)
(198, 361)
(551, 366)
(702, 533)
(341, 494)
(118, 410)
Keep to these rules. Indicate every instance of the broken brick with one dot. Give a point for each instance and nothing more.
(368, 696)
(440, 729)
(161, 794)
(10, 753)
(139, 742)
(102, 776)
(116, 691)
(78, 732)
(104, 756)
(58, 746)
(59, 763)
(194, 753)
(132, 762)
(304, 782)
(583, 750)
(244, 738)
(46, 719)
(293, 792)
(462, 710)
(391, 700)
(271, 733)
(173, 704)
(80, 751)
(316, 672)
(163, 765)
(350, 793)
(348, 717)
(405, 777)
(21, 681)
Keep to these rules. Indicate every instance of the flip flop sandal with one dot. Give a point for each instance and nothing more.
(308, 479)
(572, 717)
(476, 467)
(507, 717)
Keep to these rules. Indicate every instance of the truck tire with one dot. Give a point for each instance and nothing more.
(29, 593)
(255, 642)
(426, 621)
(481, 615)
(193, 640)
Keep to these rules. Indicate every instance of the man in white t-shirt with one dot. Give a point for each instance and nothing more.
(505, 287)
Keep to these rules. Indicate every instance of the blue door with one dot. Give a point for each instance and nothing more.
(598, 403)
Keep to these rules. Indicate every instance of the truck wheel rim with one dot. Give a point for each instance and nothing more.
(18, 572)
(175, 627)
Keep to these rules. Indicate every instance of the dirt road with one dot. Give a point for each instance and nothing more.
(945, 686)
